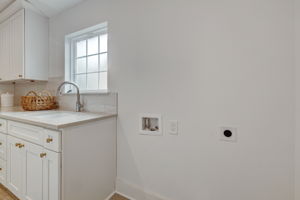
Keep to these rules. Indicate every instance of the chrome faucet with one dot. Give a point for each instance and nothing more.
(79, 106)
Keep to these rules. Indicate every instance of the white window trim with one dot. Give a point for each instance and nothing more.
(72, 38)
(87, 92)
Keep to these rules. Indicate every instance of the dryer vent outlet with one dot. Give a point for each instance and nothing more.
(228, 134)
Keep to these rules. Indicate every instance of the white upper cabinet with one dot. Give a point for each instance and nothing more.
(4, 50)
(17, 46)
(24, 47)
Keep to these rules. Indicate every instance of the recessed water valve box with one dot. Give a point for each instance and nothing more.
(150, 124)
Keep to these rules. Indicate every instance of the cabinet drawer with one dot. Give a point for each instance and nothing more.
(3, 172)
(52, 140)
(3, 146)
(27, 132)
(3, 126)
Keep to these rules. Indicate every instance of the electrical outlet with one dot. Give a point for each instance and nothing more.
(173, 127)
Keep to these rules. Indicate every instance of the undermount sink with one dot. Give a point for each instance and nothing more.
(48, 114)
(53, 118)
(52, 115)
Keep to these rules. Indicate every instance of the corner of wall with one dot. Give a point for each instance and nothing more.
(135, 192)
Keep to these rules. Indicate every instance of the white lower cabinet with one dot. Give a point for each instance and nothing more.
(15, 160)
(3, 146)
(3, 172)
(38, 163)
(3, 158)
(32, 171)
(51, 174)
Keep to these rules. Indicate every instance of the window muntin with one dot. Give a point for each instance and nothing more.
(89, 59)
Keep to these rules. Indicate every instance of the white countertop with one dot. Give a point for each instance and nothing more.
(53, 119)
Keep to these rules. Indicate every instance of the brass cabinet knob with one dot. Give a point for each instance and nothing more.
(21, 146)
(42, 155)
(18, 144)
(20, 76)
(49, 140)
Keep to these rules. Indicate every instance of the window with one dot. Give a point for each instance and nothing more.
(87, 58)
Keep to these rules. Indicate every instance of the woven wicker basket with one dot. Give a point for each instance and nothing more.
(42, 101)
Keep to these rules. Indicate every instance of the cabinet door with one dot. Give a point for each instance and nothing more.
(3, 146)
(51, 190)
(15, 160)
(33, 172)
(41, 180)
(3, 172)
(5, 50)
(17, 45)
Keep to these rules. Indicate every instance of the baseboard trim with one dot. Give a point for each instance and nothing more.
(124, 195)
(134, 192)
(8, 191)
(111, 195)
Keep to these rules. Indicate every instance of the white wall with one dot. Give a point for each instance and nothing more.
(297, 99)
(206, 63)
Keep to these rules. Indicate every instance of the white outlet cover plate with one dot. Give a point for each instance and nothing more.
(233, 137)
(173, 127)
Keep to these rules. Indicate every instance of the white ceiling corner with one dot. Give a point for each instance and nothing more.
(54, 7)
(50, 7)
(5, 3)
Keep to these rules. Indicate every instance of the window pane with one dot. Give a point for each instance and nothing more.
(103, 81)
(93, 45)
(93, 63)
(80, 65)
(81, 48)
(92, 81)
(103, 62)
(103, 43)
(81, 81)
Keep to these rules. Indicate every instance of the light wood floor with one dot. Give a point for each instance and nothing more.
(6, 195)
(118, 197)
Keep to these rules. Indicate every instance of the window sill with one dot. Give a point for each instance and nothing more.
(89, 92)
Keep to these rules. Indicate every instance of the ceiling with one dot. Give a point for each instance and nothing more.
(53, 7)
(48, 7)
(4, 4)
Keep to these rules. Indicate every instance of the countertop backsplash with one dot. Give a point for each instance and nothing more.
(7, 88)
(92, 102)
